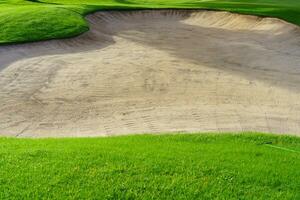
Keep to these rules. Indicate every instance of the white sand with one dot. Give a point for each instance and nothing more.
(155, 71)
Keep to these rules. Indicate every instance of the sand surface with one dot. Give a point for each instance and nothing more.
(155, 71)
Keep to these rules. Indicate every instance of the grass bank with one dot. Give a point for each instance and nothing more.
(248, 166)
(35, 20)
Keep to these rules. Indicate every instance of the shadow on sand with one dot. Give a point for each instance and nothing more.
(270, 57)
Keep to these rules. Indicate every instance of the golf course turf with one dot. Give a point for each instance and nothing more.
(200, 166)
(33, 20)
(149, 72)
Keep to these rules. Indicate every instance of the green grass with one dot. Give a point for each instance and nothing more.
(33, 20)
(247, 166)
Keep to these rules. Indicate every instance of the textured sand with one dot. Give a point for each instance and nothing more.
(155, 71)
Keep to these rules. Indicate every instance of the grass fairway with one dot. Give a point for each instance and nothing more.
(33, 20)
(151, 167)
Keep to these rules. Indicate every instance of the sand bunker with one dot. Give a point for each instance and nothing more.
(155, 71)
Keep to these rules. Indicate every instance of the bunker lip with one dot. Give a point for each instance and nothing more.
(154, 71)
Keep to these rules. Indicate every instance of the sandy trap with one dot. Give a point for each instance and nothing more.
(155, 71)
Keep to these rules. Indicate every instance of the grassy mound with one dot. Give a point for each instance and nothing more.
(32, 23)
(151, 167)
(33, 20)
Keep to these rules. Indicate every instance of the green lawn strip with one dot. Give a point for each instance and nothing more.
(195, 166)
(25, 21)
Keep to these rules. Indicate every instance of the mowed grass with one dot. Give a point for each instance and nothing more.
(244, 166)
(34, 20)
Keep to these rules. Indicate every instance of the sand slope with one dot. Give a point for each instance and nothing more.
(155, 71)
